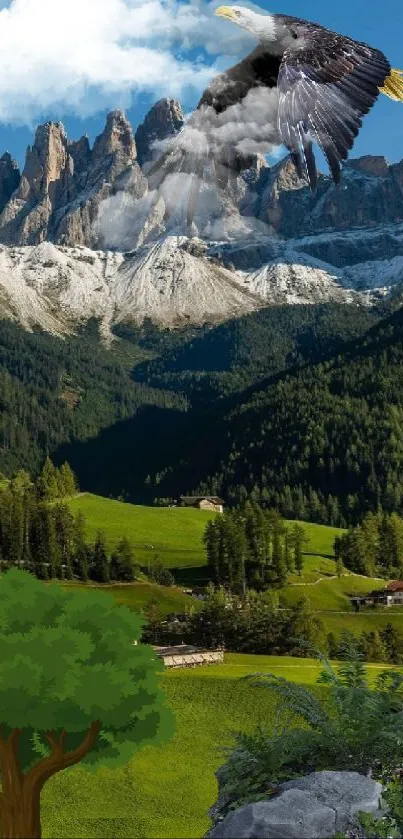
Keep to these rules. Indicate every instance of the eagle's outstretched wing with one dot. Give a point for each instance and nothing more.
(325, 88)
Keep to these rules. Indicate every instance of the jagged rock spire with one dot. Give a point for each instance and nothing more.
(164, 120)
(43, 203)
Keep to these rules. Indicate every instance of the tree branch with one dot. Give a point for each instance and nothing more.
(58, 758)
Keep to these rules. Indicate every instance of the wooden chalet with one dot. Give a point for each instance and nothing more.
(203, 502)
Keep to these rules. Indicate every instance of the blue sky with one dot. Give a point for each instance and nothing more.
(128, 53)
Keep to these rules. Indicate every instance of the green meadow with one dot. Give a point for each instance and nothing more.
(138, 595)
(320, 538)
(331, 594)
(167, 790)
(174, 534)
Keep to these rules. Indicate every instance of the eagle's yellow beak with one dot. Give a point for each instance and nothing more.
(225, 11)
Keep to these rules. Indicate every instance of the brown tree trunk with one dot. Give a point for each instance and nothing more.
(20, 799)
(21, 817)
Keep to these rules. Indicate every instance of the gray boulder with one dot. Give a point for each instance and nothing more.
(317, 806)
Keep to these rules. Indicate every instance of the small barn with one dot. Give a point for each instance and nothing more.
(391, 595)
(187, 656)
(203, 502)
(394, 593)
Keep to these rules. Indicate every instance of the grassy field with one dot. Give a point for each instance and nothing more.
(137, 595)
(175, 534)
(331, 594)
(315, 567)
(167, 790)
(320, 538)
(331, 601)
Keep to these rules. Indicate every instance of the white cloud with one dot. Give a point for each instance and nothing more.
(85, 55)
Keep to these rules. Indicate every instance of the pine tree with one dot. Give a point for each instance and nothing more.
(82, 553)
(122, 562)
(99, 570)
(64, 523)
(211, 541)
(393, 643)
(305, 626)
(151, 611)
(67, 481)
(277, 558)
(48, 483)
(299, 539)
(288, 554)
(373, 647)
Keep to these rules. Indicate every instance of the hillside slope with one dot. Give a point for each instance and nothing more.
(323, 441)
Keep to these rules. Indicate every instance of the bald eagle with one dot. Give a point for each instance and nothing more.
(303, 83)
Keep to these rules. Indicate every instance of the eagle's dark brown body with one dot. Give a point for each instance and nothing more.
(326, 82)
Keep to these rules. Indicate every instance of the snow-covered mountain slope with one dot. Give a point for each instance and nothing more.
(176, 280)
(58, 288)
(68, 220)
(172, 281)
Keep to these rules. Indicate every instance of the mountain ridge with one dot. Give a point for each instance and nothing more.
(115, 255)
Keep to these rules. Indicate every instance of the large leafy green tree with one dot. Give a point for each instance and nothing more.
(73, 687)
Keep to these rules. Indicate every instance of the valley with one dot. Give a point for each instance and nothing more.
(257, 357)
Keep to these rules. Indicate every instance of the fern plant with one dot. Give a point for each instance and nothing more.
(352, 726)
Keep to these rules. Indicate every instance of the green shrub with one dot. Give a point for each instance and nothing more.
(390, 826)
(351, 726)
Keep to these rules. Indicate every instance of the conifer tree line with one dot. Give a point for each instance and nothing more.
(254, 623)
(252, 548)
(383, 645)
(374, 547)
(257, 624)
(39, 533)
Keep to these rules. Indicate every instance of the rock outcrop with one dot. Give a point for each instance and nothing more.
(264, 240)
(9, 178)
(370, 194)
(164, 120)
(63, 184)
(318, 806)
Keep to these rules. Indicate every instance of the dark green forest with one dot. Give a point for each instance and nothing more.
(54, 391)
(298, 408)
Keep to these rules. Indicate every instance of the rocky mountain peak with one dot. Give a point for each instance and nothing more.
(370, 165)
(116, 138)
(9, 178)
(63, 184)
(45, 161)
(164, 120)
(265, 240)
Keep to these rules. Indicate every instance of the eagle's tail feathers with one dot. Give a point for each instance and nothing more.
(393, 85)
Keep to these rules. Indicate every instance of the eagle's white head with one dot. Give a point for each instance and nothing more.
(262, 26)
